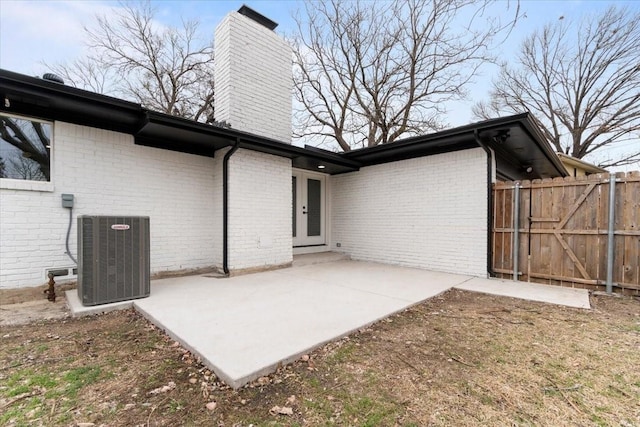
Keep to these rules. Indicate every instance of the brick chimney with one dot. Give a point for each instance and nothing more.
(253, 80)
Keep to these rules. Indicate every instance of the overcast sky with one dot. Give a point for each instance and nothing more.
(33, 32)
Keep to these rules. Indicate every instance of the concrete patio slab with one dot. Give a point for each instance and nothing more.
(243, 327)
(570, 297)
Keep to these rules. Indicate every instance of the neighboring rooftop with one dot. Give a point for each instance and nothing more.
(578, 167)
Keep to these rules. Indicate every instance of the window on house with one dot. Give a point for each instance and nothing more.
(25, 148)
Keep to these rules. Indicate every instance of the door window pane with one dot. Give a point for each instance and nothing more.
(295, 202)
(314, 199)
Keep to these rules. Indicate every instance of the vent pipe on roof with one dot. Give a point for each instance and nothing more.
(52, 78)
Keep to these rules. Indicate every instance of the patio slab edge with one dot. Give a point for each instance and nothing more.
(238, 382)
(204, 360)
(79, 310)
(549, 294)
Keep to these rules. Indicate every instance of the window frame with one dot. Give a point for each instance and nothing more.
(26, 184)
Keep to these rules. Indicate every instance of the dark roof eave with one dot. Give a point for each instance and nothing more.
(54, 101)
(61, 89)
(247, 140)
(48, 100)
(447, 133)
(546, 148)
(462, 137)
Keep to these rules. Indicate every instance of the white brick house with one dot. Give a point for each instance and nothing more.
(244, 199)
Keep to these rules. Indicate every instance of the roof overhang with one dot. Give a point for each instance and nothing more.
(520, 150)
(177, 134)
(35, 97)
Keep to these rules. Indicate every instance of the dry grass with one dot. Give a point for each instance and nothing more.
(459, 359)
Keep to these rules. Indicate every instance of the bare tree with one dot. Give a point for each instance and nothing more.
(24, 168)
(583, 83)
(88, 73)
(165, 69)
(368, 73)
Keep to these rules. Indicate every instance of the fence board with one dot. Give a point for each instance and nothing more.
(523, 250)
(603, 215)
(563, 231)
(631, 253)
(557, 264)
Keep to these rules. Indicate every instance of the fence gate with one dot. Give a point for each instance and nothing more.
(557, 231)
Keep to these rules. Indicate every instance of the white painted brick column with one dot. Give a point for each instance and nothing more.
(259, 211)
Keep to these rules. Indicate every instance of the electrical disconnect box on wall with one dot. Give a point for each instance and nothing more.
(113, 259)
(67, 200)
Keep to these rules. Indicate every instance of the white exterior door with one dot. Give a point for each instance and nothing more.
(308, 208)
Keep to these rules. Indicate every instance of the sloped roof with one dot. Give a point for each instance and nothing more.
(520, 150)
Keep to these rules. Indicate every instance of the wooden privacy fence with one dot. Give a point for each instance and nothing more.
(558, 231)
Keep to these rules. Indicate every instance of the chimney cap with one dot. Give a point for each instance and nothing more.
(260, 19)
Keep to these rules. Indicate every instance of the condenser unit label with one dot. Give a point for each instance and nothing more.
(120, 227)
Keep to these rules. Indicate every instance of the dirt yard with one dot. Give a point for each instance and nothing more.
(461, 359)
(19, 306)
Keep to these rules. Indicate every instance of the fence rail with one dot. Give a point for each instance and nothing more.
(558, 232)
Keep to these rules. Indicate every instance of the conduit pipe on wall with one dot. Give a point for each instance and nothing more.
(484, 146)
(67, 240)
(225, 206)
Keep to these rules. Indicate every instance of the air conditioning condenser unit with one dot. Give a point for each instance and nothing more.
(113, 259)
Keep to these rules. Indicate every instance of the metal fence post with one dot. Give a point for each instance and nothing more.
(516, 230)
(611, 231)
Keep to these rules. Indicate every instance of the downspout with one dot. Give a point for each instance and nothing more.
(225, 207)
(489, 199)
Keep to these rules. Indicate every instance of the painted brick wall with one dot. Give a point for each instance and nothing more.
(253, 78)
(428, 212)
(109, 175)
(259, 210)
